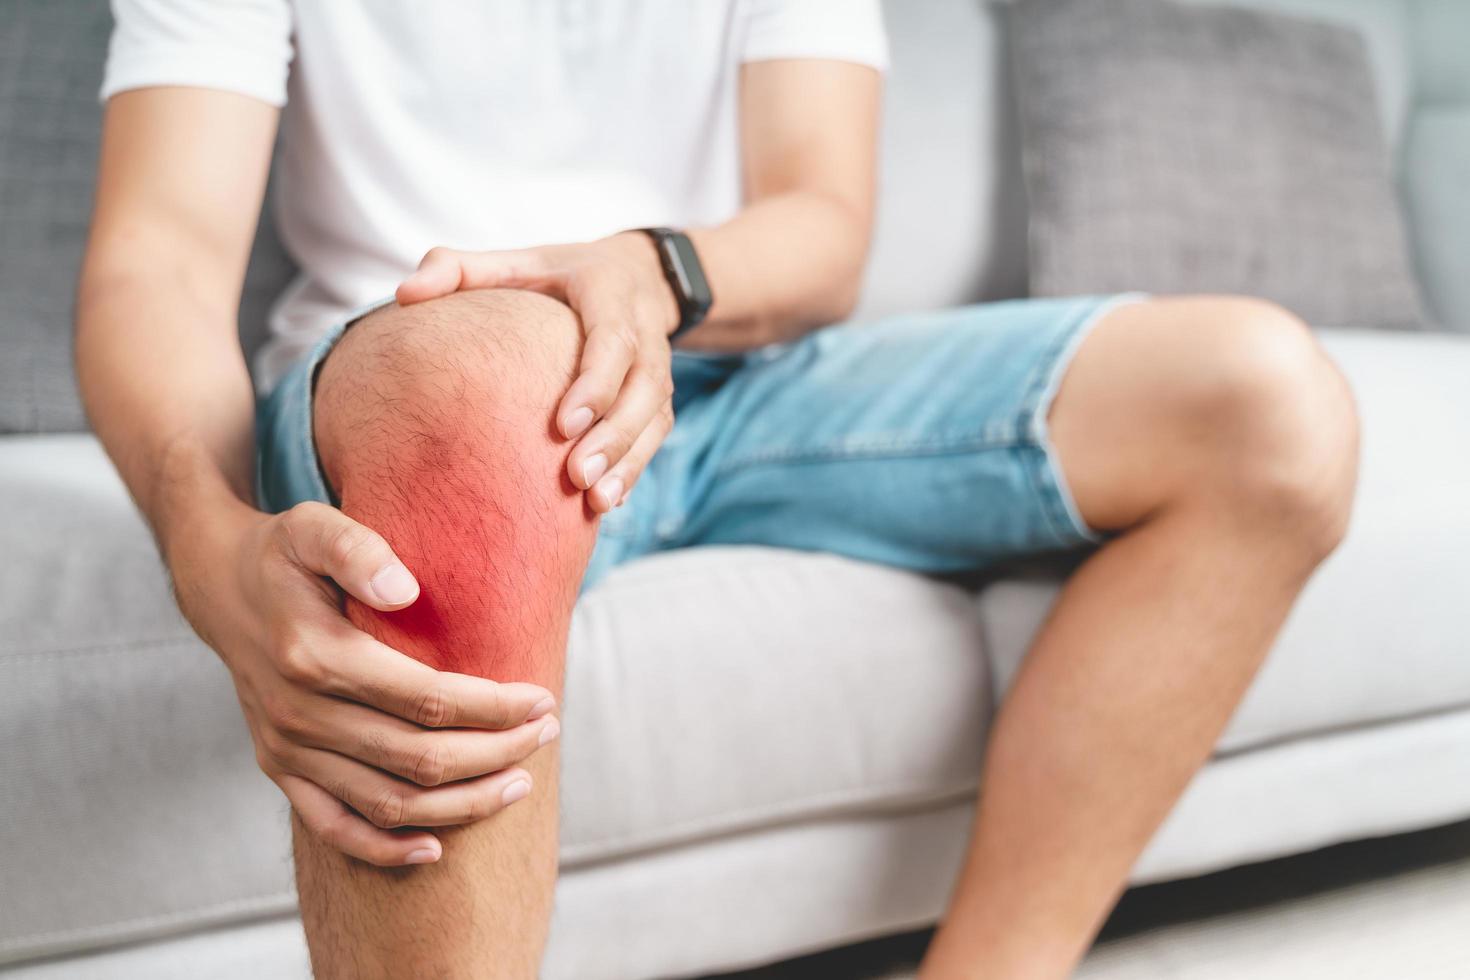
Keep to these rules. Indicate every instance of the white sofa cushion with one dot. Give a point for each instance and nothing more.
(728, 688)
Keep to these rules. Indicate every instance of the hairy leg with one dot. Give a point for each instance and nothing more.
(434, 425)
(1214, 434)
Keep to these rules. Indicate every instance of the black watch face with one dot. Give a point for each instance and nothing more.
(694, 290)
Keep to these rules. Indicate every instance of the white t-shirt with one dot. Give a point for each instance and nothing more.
(477, 125)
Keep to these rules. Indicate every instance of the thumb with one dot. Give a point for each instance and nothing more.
(325, 541)
(440, 273)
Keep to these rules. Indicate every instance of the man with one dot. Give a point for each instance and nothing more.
(433, 472)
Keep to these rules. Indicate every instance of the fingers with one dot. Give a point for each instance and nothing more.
(646, 389)
(445, 270)
(620, 399)
(621, 396)
(325, 541)
(390, 803)
(607, 357)
(334, 823)
(429, 757)
(611, 489)
(333, 658)
(376, 675)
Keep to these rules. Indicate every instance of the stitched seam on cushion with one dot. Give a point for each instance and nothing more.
(838, 803)
(98, 649)
(1338, 729)
(658, 581)
(119, 928)
(834, 803)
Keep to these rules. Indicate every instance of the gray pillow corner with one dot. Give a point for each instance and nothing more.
(1208, 148)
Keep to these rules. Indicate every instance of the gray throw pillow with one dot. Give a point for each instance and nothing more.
(51, 57)
(1174, 148)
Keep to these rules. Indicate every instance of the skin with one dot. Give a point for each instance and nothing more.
(1212, 435)
(332, 709)
(180, 177)
(789, 261)
(1209, 433)
(435, 426)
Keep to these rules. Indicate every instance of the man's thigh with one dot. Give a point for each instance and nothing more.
(919, 442)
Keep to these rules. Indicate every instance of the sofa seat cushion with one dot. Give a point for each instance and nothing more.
(1383, 630)
(711, 692)
(720, 689)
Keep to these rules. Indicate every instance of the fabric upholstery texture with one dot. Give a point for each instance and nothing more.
(50, 67)
(1178, 148)
(1437, 158)
(813, 885)
(50, 70)
(147, 818)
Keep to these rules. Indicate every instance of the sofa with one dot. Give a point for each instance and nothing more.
(713, 821)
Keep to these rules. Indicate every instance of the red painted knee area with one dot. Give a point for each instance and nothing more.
(477, 505)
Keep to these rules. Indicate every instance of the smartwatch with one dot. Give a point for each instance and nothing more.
(685, 275)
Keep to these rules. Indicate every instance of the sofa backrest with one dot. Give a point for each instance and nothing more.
(1435, 156)
(50, 69)
(952, 212)
(51, 57)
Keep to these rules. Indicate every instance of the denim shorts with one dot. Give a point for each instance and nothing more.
(919, 441)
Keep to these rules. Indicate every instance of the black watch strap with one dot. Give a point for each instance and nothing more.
(685, 275)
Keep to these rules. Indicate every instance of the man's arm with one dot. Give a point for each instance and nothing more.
(180, 182)
(790, 261)
(793, 258)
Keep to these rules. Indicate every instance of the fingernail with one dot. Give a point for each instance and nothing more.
(549, 732)
(577, 422)
(592, 468)
(612, 490)
(424, 855)
(543, 708)
(394, 584)
(518, 790)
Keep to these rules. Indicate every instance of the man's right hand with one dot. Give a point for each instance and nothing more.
(363, 740)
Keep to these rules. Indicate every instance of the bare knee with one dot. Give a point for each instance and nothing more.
(1273, 425)
(509, 351)
(434, 424)
(1220, 402)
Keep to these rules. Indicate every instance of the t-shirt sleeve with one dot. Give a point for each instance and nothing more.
(839, 30)
(241, 46)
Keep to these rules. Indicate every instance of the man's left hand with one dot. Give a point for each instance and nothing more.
(620, 407)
